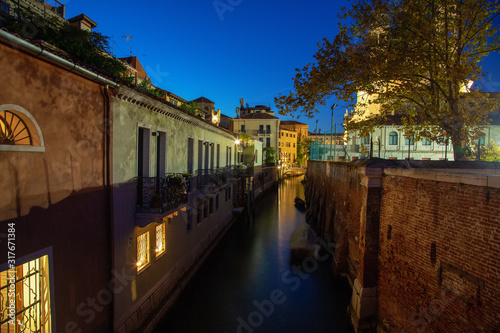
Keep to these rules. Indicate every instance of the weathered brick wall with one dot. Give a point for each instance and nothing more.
(334, 195)
(439, 257)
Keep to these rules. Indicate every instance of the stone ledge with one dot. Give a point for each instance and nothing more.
(475, 179)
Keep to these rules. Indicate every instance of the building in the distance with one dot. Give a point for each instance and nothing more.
(300, 128)
(261, 125)
(287, 146)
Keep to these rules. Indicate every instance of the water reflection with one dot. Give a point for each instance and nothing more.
(248, 284)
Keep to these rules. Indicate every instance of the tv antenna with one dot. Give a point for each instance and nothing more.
(129, 38)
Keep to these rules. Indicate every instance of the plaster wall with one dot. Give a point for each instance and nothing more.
(159, 283)
(56, 195)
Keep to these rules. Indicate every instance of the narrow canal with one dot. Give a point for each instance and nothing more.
(249, 285)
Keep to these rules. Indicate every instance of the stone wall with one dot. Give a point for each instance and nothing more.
(418, 240)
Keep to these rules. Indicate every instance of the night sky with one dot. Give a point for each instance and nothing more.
(227, 49)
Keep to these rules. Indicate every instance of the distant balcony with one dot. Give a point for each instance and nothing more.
(267, 131)
(157, 195)
(209, 179)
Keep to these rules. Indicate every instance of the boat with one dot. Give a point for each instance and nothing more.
(300, 204)
(304, 243)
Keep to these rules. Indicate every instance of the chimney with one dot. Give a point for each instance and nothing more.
(237, 112)
(242, 102)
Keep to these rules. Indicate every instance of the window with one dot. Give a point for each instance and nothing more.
(426, 142)
(142, 251)
(294, 145)
(200, 155)
(286, 135)
(218, 156)
(211, 206)
(144, 137)
(393, 138)
(365, 140)
(18, 130)
(242, 128)
(268, 129)
(205, 209)
(409, 140)
(189, 224)
(27, 288)
(160, 239)
(161, 153)
(190, 152)
(199, 213)
(268, 142)
(217, 202)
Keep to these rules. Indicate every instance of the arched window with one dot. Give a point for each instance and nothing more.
(18, 130)
(393, 138)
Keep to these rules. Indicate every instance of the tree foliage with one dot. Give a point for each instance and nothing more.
(408, 57)
(191, 107)
(490, 153)
(270, 156)
(88, 47)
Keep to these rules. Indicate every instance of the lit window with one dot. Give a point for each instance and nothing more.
(27, 287)
(160, 239)
(142, 251)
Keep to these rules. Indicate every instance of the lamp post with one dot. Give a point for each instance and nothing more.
(331, 134)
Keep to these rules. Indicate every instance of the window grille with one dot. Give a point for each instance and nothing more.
(160, 239)
(142, 251)
(26, 286)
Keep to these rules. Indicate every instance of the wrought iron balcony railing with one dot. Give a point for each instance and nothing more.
(266, 131)
(157, 195)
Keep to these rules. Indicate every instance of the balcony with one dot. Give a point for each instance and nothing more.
(209, 179)
(157, 195)
(263, 132)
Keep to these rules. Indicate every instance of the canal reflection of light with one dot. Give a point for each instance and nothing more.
(289, 217)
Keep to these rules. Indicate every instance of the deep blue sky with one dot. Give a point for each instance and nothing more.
(249, 49)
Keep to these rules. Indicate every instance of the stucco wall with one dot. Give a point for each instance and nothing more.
(56, 197)
(156, 286)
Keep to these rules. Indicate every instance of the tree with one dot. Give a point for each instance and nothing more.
(270, 156)
(88, 47)
(415, 58)
(491, 152)
(191, 107)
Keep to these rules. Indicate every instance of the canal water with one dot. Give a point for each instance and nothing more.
(248, 283)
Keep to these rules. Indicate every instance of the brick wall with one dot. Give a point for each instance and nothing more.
(436, 232)
(439, 256)
(334, 195)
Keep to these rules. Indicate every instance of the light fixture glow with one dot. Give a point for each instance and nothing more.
(237, 141)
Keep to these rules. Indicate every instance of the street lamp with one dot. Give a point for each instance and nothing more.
(331, 135)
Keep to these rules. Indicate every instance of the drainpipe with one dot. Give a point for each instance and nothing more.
(108, 188)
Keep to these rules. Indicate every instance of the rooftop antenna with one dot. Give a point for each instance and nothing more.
(128, 37)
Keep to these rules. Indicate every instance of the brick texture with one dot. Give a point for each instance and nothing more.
(439, 257)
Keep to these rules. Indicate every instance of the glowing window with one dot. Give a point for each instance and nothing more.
(160, 239)
(13, 130)
(27, 287)
(142, 251)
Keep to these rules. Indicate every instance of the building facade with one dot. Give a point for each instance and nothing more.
(287, 146)
(260, 125)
